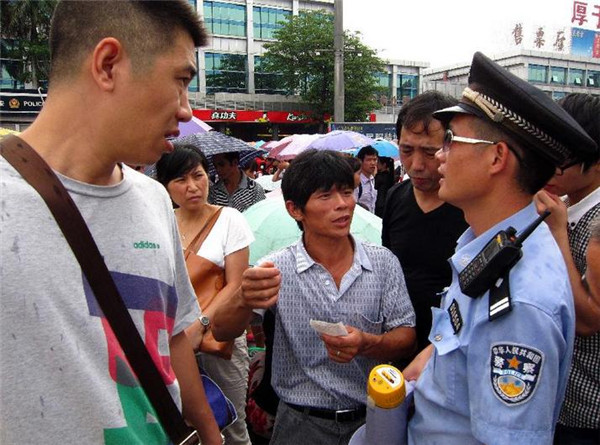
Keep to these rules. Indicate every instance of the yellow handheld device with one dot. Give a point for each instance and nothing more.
(386, 386)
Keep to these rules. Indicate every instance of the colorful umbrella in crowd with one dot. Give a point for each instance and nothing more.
(267, 183)
(275, 229)
(291, 146)
(247, 156)
(341, 140)
(193, 126)
(214, 142)
(386, 148)
(338, 140)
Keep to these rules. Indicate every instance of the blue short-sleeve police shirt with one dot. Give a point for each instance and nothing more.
(500, 381)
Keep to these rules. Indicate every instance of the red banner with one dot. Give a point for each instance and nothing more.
(280, 117)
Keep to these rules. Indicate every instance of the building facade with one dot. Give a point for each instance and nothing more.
(237, 96)
(557, 74)
(402, 81)
(234, 94)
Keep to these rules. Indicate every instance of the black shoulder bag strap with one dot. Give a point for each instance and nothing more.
(41, 177)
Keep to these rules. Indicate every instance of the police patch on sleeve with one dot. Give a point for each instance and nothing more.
(515, 372)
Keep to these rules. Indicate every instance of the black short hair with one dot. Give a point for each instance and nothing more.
(145, 28)
(314, 170)
(585, 109)
(534, 170)
(250, 165)
(232, 156)
(388, 162)
(354, 163)
(420, 109)
(182, 160)
(367, 150)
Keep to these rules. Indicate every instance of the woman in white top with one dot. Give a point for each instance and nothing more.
(184, 173)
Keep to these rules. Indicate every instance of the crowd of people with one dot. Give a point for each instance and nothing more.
(501, 351)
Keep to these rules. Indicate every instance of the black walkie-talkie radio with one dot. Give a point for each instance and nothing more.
(495, 259)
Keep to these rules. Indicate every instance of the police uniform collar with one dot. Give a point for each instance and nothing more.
(468, 245)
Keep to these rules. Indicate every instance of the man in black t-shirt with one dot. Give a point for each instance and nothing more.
(418, 227)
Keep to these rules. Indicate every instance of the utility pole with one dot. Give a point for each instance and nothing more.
(338, 70)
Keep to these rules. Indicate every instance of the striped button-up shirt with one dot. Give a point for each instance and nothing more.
(247, 193)
(372, 297)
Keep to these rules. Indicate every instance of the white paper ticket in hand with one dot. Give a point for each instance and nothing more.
(324, 327)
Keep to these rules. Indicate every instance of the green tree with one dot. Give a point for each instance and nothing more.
(25, 31)
(303, 56)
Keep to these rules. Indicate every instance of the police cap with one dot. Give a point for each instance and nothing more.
(524, 111)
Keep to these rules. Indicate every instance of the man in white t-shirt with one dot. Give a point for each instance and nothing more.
(118, 90)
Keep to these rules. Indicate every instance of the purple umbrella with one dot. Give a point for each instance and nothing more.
(194, 126)
(291, 146)
(341, 140)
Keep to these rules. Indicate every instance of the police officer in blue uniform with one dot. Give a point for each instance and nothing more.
(498, 364)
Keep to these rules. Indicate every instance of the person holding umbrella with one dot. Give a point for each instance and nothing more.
(227, 154)
(184, 173)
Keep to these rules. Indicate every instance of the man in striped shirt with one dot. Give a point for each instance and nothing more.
(234, 188)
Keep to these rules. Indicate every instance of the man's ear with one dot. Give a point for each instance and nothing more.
(294, 211)
(500, 156)
(105, 59)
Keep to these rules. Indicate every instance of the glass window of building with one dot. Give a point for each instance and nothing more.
(558, 75)
(226, 19)
(558, 95)
(226, 73)
(538, 73)
(194, 85)
(384, 80)
(593, 79)
(6, 80)
(576, 77)
(267, 21)
(267, 82)
(11, 69)
(408, 87)
(384, 88)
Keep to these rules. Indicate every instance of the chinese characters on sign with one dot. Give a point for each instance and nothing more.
(539, 38)
(559, 43)
(223, 115)
(585, 42)
(583, 13)
(518, 33)
(580, 14)
(260, 116)
(539, 41)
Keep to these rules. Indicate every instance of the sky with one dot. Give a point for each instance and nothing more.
(448, 32)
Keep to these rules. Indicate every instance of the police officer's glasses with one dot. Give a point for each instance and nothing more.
(449, 138)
